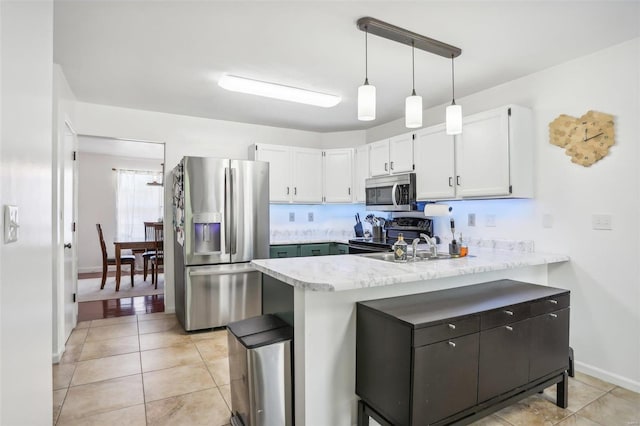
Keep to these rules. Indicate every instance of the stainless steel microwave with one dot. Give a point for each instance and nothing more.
(391, 193)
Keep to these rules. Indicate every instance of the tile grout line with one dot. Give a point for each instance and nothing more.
(144, 394)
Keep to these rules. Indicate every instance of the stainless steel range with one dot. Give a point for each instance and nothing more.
(410, 227)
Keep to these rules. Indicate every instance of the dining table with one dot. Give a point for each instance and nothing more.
(133, 245)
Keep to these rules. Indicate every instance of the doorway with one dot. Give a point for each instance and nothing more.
(120, 186)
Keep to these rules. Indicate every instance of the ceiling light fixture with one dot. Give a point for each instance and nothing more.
(278, 91)
(400, 35)
(413, 103)
(454, 112)
(366, 92)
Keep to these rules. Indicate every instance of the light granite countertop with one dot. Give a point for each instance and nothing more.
(308, 241)
(349, 272)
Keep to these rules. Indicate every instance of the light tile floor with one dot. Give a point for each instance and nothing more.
(145, 370)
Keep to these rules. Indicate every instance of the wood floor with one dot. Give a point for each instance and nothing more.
(98, 309)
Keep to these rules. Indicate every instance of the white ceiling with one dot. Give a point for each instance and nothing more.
(167, 55)
(121, 147)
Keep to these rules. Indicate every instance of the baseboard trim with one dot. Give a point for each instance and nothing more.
(601, 374)
(56, 357)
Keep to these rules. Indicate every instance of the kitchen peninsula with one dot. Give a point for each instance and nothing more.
(325, 290)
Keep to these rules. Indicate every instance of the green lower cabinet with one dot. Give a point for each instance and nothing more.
(283, 251)
(314, 249)
(337, 248)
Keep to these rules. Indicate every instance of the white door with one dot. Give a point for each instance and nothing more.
(279, 159)
(434, 157)
(482, 154)
(379, 158)
(401, 153)
(338, 174)
(69, 236)
(361, 173)
(307, 175)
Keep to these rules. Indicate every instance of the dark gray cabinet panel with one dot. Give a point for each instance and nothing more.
(446, 378)
(549, 342)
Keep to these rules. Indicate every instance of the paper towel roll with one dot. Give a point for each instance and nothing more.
(432, 209)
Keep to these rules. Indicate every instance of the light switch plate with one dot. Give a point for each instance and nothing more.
(471, 219)
(601, 222)
(490, 221)
(11, 224)
(310, 216)
(547, 220)
(292, 217)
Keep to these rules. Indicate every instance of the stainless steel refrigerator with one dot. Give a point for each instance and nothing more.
(221, 223)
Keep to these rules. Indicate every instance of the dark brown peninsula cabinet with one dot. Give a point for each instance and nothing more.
(453, 356)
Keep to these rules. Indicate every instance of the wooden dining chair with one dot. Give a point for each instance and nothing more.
(149, 235)
(158, 257)
(125, 259)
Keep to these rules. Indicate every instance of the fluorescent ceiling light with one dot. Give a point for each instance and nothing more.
(278, 91)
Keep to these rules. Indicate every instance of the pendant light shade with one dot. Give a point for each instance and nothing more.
(366, 92)
(454, 112)
(413, 103)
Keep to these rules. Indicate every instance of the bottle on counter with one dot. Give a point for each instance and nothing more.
(464, 249)
(400, 249)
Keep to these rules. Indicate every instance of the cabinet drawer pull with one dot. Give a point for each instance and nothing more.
(391, 165)
(553, 315)
(509, 328)
(510, 313)
(349, 190)
(453, 345)
(452, 326)
(553, 302)
(458, 180)
(385, 167)
(295, 190)
(450, 181)
(287, 190)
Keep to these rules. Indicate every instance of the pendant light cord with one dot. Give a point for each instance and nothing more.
(453, 84)
(366, 56)
(413, 69)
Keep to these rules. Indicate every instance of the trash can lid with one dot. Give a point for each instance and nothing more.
(255, 325)
(269, 337)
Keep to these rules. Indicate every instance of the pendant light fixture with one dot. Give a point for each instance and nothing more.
(413, 103)
(454, 112)
(366, 92)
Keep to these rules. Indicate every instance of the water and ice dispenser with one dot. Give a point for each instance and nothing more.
(207, 233)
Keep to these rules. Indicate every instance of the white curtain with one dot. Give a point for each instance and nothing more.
(137, 202)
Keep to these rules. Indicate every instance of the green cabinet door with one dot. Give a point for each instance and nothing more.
(314, 249)
(337, 248)
(283, 251)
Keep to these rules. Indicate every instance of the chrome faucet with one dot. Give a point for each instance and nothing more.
(433, 247)
(414, 245)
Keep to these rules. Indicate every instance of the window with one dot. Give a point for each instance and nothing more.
(137, 202)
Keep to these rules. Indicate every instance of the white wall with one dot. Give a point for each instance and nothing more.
(182, 136)
(97, 203)
(26, 51)
(604, 272)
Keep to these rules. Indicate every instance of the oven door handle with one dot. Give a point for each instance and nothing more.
(393, 194)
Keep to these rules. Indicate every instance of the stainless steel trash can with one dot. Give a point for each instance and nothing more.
(260, 371)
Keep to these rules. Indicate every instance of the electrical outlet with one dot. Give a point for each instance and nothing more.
(471, 219)
(292, 217)
(547, 221)
(490, 221)
(310, 216)
(601, 222)
(11, 224)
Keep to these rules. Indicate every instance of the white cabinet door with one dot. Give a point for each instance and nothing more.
(361, 172)
(401, 153)
(307, 175)
(434, 156)
(379, 158)
(338, 175)
(482, 155)
(279, 159)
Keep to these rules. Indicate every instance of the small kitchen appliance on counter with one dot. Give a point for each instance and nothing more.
(410, 227)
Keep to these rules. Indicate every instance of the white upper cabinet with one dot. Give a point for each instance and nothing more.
(434, 158)
(295, 174)
(494, 154)
(391, 156)
(279, 159)
(361, 172)
(401, 153)
(338, 175)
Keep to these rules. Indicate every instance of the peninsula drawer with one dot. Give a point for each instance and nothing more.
(549, 304)
(447, 330)
(505, 315)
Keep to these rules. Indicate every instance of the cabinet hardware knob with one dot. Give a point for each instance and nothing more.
(67, 246)
(452, 326)
(450, 180)
(553, 302)
(453, 345)
(509, 328)
(509, 313)
(553, 315)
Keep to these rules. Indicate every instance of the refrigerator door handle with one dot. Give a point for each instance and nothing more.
(217, 271)
(227, 210)
(233, 226)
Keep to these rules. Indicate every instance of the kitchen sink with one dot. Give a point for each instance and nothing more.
(420, 256)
